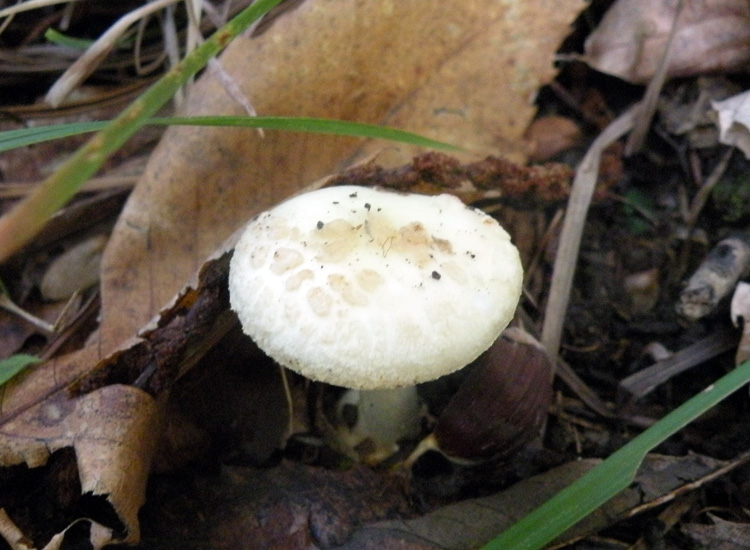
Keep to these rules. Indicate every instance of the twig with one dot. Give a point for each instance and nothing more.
(7, 304)
(651, 97)
(581, 193)
(701, 197)
(646, 380)
(31, 5)
(26, 219)
(85, 65)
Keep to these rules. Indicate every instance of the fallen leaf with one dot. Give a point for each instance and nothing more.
(113, 431)
(472, 523)
(114, 427)
(740, 312)
(76, 269)
(552, 135)
(734, 121)
(463, 72)
(720, 535)
(288, 506)
(712, 36)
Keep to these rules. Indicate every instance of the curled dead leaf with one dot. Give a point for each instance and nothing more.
(113, 431)
(734, 121)
(711, 36)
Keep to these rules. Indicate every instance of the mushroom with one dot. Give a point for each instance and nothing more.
(371, 289)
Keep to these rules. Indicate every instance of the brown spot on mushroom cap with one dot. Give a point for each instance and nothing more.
(342, 286)
(297, 278)
(320, 301)
(285, 259)
(369, 279)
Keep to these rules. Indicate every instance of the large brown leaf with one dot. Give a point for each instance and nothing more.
(113, 431)
(464, 72)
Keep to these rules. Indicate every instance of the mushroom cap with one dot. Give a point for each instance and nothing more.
(366, 288)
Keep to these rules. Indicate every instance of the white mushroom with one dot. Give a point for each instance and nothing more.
(383, 418)
(372, 289)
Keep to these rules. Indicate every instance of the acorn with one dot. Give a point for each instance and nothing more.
(500, 406)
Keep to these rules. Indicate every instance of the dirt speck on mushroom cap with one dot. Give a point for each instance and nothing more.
(365, 288)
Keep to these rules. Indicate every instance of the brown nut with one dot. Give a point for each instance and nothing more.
(502, 403)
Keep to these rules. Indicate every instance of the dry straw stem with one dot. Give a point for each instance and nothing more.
(651, 97)
(86, 64)
(21, 224)
(31, 5)
(581, 193)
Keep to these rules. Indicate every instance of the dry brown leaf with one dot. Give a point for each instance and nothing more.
(472, 523)
(74, 270)
(10, 532)
(740, 313)
(36, 385)
(734, 121)
(113, 431)
(290, 506)
(175, 339)
(98, 535)
(552, 135)
(711, 36)
(463, 72)
(114, 427)
(720, 535)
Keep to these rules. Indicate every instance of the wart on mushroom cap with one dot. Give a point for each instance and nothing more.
(367, 289)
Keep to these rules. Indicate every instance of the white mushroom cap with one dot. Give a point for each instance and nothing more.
(367, 289)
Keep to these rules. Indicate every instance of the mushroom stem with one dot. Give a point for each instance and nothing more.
(383, 418)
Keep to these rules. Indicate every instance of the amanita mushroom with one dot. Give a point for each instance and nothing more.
(371, 289)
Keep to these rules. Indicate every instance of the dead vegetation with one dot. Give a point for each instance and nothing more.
(152, 420)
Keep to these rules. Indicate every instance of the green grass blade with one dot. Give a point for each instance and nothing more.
(29, 136)
(24, 221)
(56, 37)
(12, 139)
(16, 363)
(613, 475)
(316, 125)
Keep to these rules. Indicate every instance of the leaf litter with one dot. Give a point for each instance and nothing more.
(156, 330)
